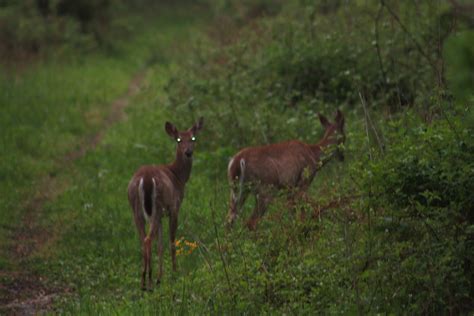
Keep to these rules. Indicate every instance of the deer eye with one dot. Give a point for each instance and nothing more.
(193, 139)
(178, 140)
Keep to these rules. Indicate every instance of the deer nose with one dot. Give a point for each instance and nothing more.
(188, 152)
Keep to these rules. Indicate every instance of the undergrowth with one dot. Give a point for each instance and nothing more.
(389, 230)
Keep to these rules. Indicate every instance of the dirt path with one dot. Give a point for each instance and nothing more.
(27, 292)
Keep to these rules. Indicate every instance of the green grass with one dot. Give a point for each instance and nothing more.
(46, 111)
(100, 247)
(365, 255)
(99, 253)
(50, 110)
(52, 107)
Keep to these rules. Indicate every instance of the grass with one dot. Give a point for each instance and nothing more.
(340, 263)
(52, 108)
(45, 113)
(100, 248)
(99, 254)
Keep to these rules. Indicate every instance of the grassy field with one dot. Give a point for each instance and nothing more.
(389, 230)
(46, 112)
(93, 255)
(99, 251)
(52, 113)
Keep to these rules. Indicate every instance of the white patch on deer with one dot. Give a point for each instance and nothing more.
(141, 197)
(236, 197)
(242, 165)
(153, 198)
(242, 175)
(230, 165)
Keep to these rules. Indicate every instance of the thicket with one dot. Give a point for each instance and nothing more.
(57, 28)
(393, 227)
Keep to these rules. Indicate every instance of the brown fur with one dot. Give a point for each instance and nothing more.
(288, 165)
(162, 194)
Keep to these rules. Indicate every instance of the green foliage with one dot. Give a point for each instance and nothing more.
(389, 231)
(243, 11)
(395, 249)
(41, 29)
(433, 159)
(422, 204)
(49, 110)
(278, 73)
(459, 52)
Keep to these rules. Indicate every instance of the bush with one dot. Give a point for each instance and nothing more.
(285, 69)
(30, 29)
(404, 245)
(421, 196)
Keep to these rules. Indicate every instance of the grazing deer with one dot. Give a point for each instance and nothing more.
(289, 165)
(155, 192)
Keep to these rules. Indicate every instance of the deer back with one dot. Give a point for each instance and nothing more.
(160, 183)
(280, 165)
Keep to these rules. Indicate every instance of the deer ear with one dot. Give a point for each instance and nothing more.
(198, 126)
(340, 119)
(171, 130)
(324, 121)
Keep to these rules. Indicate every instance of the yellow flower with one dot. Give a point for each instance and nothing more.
(185, 247)
(178, 242)
(190, 244)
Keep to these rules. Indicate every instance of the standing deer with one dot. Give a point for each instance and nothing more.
(289, 165)
(155, 192)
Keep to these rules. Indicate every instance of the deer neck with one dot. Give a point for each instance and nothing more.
(323, 152)
(181, 167)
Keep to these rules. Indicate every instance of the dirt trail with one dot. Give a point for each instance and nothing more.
(24, 292)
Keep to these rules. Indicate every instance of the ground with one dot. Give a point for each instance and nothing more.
(27, 292)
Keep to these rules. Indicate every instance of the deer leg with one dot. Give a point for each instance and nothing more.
(160, 252)
(237, 200)
(303, 199)
(298, 195)
(261, 204)
(147, 270)
(173, 227)
(232, 207)
(140, 223)
(145, 263)
(291, 201)
(295, 200)
(155, 226)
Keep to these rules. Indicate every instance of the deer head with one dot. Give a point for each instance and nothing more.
(185, 140)
(334, 136)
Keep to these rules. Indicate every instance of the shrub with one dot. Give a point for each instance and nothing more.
(285, 69)
(421, 193)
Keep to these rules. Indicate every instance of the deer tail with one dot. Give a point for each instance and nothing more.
(141, 196)
(236, 172)
(147, 197)
(241, 178)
